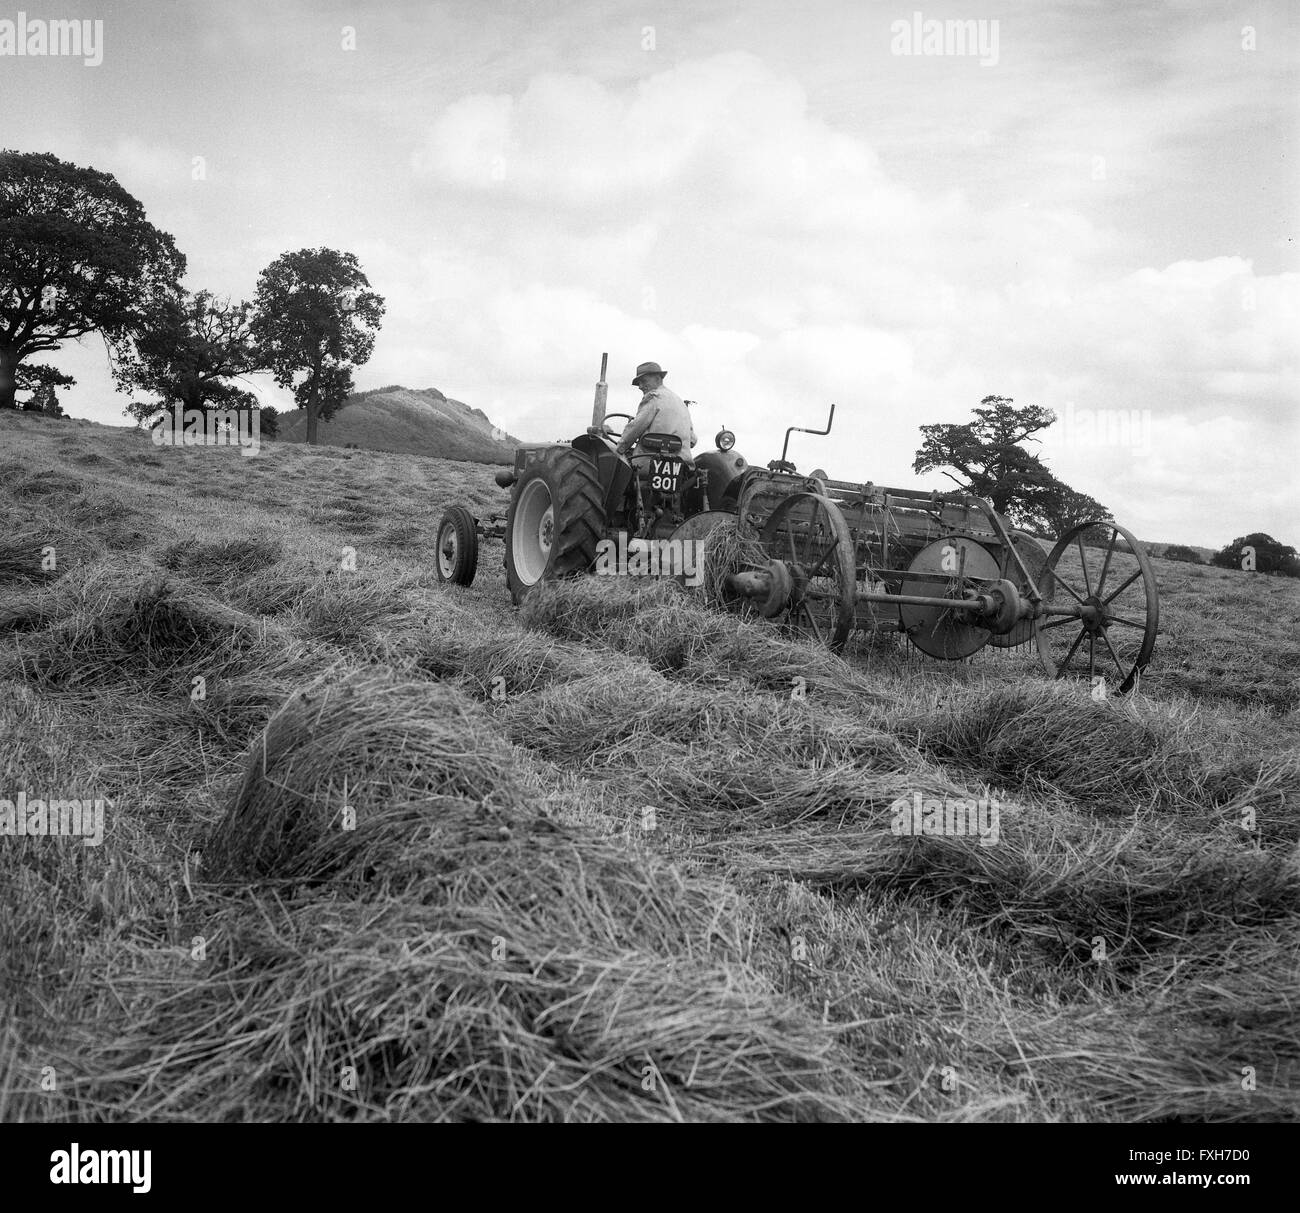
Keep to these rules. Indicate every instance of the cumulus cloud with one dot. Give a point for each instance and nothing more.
(786, 268)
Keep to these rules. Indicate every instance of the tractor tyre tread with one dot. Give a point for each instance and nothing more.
(579, 518)
(466, 545)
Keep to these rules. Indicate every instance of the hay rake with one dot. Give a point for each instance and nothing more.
(945, 570)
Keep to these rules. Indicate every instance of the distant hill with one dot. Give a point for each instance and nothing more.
(410, 421)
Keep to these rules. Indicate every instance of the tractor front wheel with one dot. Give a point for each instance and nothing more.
(555, 520)
(456, 549)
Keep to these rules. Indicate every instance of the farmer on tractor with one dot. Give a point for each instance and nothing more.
(661, 412)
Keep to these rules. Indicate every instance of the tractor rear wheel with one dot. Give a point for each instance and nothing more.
(555, 520)
(456, 550)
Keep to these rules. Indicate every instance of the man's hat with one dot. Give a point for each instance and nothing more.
(647, 368)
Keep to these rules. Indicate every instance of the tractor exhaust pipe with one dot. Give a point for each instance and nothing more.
(602, 395)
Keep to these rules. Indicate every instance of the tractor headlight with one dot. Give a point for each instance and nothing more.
(725, 440)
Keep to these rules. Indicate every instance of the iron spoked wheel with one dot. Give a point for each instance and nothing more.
(456, 550)
(808, 534)
(1109, 590)
(556, 518)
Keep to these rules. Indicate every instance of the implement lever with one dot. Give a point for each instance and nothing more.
(798, 429)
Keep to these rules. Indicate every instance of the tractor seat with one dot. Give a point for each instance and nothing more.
(662, 444)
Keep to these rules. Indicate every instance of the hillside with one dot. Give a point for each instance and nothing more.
(378, 849)
(411, 421)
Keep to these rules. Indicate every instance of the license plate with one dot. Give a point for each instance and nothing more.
(665, 474)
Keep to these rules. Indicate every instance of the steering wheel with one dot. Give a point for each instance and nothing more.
(625, 416)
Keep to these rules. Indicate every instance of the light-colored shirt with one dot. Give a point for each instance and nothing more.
(661, 412)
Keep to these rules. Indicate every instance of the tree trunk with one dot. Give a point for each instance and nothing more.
(8, 384)
(313, 421)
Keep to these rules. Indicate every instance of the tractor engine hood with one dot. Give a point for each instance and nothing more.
(724, 468)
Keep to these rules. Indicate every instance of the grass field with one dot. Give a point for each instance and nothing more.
(375, 849)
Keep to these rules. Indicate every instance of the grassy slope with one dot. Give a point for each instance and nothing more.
(416, 422)
(501, 936)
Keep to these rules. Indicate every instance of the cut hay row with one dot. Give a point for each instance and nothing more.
(465, 954)
(661, 623)
(1054, 879)
(120, 621)
(1042, 738)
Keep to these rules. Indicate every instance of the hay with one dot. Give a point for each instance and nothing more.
(500, 665)
(127, 624)
(328, 752)
(23, 547)
(474, 959)
(341, 1009)
(728, 550)
(1055, 880)
(1115, 756)
(220, 561)
(678, 635)
(342, 608)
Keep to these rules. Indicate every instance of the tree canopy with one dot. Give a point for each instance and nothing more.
(987, 451)
(77, 256)
(1270, 555)
(316, 321)
(187, 350)
(991, 462)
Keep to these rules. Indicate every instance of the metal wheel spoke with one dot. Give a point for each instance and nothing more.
(1083, 560)
(813, 620)
(813, 536)
(813, 572)
(1059, 623)
(1115, 593)
(1092, 655)
(1132, 623)
(1075, 645)
(1118, 664)
(1065, 586)
(807, 541)
(1105, 565)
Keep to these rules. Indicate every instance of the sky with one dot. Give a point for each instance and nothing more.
(1086, 206)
